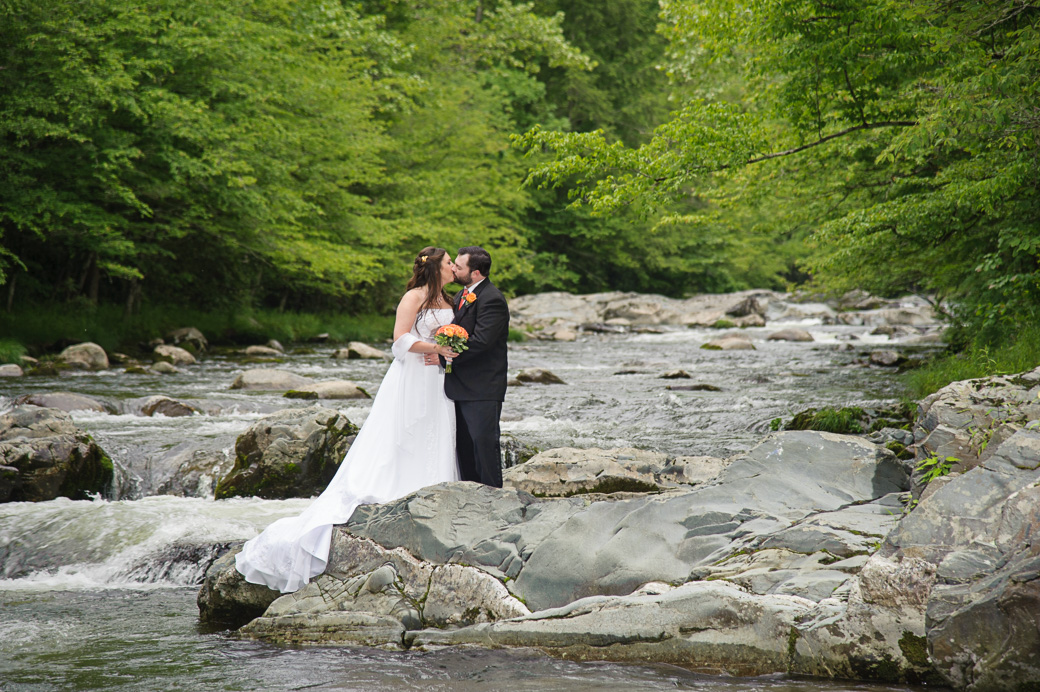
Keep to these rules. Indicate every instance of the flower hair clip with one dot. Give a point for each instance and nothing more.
(423, 259)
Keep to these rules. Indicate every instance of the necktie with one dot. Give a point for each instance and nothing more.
(462, 297)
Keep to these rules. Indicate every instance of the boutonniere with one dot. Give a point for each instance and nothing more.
(470, 298)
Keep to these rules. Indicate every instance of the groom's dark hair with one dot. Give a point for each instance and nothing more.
(479, 259)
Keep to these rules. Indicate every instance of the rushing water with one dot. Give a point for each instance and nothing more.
(97, 595)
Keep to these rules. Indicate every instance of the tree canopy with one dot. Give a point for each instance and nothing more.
(297, 153)
(899, 139)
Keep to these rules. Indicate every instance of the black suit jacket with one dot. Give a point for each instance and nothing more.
(479, 373)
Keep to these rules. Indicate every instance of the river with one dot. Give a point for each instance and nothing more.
(101, 594)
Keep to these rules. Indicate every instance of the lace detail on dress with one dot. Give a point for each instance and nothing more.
(429, 321)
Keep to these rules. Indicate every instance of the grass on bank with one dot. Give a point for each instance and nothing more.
(1013, 356)
(45, 329)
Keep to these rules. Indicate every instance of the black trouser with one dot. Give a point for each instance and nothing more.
(477, 441)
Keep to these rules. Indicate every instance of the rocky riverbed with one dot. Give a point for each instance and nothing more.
(807, 555)
(648, 513)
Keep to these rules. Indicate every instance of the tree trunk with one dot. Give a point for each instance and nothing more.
(81, 285)
(133, 296)
(10, 292)
(95, 280)
(480, 11)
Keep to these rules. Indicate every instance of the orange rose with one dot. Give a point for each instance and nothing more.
(470, 297)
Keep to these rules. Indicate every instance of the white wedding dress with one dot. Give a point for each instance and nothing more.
(407, 443)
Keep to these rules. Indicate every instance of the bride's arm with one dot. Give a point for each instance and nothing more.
(404, 340)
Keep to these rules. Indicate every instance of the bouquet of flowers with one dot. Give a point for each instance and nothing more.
(454, 337)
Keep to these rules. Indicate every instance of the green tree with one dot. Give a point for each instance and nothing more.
(903, 135)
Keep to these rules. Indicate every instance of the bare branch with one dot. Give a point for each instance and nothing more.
(822, 140)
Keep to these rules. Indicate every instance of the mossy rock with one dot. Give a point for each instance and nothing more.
(848, 420)
(136, 370)
(724, 324)
(46, 370)
(311, 443)
(900, 450)
(711, 347)
(296, 394)
(617, 485)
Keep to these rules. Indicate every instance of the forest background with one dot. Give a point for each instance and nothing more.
(271, 167)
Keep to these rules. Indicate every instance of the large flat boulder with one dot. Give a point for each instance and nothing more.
(374, 595)
(558, 551)
(710, 627)
(66, 401)
(568, 471)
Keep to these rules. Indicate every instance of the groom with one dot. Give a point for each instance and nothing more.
(477, 381)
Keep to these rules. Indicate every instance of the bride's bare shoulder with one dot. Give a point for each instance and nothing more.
(413, 296)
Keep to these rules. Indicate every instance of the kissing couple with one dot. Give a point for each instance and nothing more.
(426, 425)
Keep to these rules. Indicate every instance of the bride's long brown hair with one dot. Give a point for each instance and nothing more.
(426, 273)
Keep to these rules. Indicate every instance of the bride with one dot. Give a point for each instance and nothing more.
(407, 442)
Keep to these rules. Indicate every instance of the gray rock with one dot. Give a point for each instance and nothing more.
(886, 358)
(8, 480)
(226, 598)
(538, 376)
(357, 349)
(165, 406)
(52, 456)
(335, 389)
(693, 388)
(276, 345)
(560, 550)
(751, 305)
(190, 336)
(375, 594)
(791, 335)
(163, 368)
(567, 471)
(269, 379)
(729, 343)
(983, 619)
(675, 375)
(11, 370)
(565, 335)
(963, 561)
(708, 627)
(194, 472)
(859, 299)
(550, 313)
(86, 356)
(263, 351)
(174, 355)
(966, 420)
(66, 401)
(291, 453)
(749, 321)
(514, 450)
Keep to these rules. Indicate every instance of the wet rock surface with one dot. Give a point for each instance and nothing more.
(800, 556)
(45, 455)
(292, 453)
